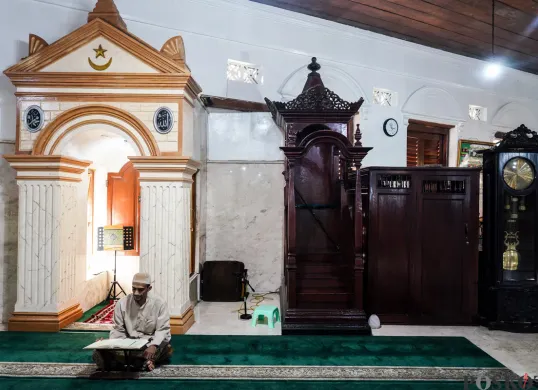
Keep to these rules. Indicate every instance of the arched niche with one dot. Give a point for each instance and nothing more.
(430, 103)
(333, 78)
(72, 122)
(512, 115)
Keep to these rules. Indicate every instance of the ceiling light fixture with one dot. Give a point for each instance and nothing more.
(494, 67)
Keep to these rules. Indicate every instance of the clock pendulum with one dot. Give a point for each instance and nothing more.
(511, 238)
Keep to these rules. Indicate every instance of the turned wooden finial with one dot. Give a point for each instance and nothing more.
(107, 10)
(314, 78)
(358, 136)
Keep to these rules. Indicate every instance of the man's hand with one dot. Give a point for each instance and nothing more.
(100, 339)
(149, 353)
(150, 366)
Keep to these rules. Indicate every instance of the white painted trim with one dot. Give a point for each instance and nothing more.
(123, 91)
(425, 118)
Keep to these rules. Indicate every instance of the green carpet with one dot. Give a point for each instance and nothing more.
(83, 384)
(264, 350)
(268, 362)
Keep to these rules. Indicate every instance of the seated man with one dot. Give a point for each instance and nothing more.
(139, 316)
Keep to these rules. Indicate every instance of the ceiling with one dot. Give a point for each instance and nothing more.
(457, 26)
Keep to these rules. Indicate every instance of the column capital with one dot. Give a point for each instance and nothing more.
(47, 168)
(165, 168)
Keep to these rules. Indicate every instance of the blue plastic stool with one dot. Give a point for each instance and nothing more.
(271, 312)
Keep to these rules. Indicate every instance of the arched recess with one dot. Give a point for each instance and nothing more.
(512, 115)
(334, 78)
(433, 104)
(73, 121)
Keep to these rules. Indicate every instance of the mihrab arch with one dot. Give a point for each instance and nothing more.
(77, 118)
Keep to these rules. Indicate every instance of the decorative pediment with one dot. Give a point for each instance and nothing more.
(520, 138)
(71, 53)
(100, 55)
(316, 99)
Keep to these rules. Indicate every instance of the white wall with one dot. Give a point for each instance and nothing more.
(431, 85)
(282, 43)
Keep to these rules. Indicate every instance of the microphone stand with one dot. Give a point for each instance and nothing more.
(244, 280)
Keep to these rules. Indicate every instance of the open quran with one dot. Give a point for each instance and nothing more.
(131, 344)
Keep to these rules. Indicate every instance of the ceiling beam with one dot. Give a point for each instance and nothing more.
(233, 104)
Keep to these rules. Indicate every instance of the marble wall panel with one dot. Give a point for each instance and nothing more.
(245, 214)
(93, 291)
(244, 136)
(8, 234)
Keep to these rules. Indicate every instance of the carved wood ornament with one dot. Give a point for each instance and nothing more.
(36, 44)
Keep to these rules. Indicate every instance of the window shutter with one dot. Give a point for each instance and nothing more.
(432, 151)
(412, 151)
(123, 205)
(425, 148)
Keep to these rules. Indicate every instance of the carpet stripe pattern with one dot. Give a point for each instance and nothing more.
(377, 373)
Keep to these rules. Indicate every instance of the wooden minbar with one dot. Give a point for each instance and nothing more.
(322, 289)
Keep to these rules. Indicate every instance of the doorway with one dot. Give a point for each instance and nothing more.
(427, 144)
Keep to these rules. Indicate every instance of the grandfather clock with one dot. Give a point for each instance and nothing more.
(322, 289)
(508, 286)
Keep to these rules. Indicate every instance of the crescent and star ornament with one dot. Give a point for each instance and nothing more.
(100, 52)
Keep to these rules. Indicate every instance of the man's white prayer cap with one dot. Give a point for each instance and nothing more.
(141, 278)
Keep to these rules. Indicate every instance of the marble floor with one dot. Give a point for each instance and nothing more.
(223, 318)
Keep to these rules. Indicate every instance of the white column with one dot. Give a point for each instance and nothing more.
(47, 243)
(165, 231)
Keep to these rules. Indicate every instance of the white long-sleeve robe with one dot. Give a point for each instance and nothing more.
(150, 321)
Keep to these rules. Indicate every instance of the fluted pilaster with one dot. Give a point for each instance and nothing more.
(47, 252)
(165, 231)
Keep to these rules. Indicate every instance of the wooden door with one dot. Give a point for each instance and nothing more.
(442, 258)
(391, 234)
(124, 201)
(90, 212)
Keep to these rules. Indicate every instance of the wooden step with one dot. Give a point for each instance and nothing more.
(323, 297)
(323, 269)
(324, 283)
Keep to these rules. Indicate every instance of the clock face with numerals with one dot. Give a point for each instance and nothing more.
(163, 120)
(34, 119)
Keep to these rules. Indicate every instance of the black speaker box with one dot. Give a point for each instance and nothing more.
(222, 282)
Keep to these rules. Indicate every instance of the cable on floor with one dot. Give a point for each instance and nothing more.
(257, 299)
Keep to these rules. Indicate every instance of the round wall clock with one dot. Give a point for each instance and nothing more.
(163, 120)
(390, 127)
(518, 173)
(34, 119)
